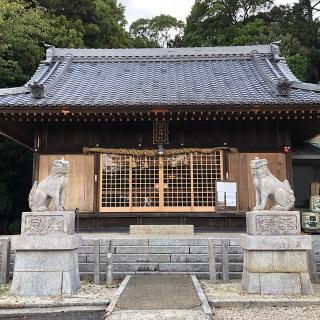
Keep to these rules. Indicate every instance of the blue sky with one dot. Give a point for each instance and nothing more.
(136, 9)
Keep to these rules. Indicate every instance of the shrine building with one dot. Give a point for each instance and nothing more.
(150, 133)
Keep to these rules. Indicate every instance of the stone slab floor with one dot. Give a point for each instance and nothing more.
(154, 292)
(159, 297)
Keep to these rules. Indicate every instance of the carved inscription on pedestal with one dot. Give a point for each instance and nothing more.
(43, 224)
(276, 224)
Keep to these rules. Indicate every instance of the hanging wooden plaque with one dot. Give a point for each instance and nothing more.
(160, 132)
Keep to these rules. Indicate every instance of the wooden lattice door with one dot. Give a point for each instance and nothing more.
(183, 182)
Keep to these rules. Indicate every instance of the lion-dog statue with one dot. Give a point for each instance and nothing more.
(51, 189)
(267, 185)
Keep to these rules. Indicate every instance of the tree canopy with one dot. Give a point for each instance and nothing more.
(160, 31)
(103, 21)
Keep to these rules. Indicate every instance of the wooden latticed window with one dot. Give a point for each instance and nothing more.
(206, 170)
(115, 181)
(177, 181)
(184, 182)
(145, 181)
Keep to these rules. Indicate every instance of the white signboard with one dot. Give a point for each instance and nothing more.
(226, 195)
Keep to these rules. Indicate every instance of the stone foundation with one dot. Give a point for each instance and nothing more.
(46, 262)
(275, 254)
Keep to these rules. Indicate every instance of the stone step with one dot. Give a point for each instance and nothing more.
(171, 250)
(160, 242)
(85, 276)
(201, 275)
(204, 250)
(146, 257)
(151, 249)
(182, 258)
(156, 266)
(138, 258)
(170, 267)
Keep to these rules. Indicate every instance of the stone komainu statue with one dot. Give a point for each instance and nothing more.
(50, 189)
(267, 185)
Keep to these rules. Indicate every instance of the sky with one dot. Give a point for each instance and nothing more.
(180, 9)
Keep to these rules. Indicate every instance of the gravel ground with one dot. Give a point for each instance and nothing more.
(274, 313)
(233, 290)
(87, 291)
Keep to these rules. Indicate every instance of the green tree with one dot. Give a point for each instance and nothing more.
(24, 28)
(22, 31)
(66, 33)
(141, 34)
(164, 28)
(103, 20)
(160, 31)
(211, 19)
(305, 25)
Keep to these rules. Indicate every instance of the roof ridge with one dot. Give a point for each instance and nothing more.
(287, 72)
(158, 52)
(306, 86)
(280, 85)
(15, 90)
(48, 79)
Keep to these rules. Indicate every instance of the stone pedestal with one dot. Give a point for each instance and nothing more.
(275, 254)
(46, 258)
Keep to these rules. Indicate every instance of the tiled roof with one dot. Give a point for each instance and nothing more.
(237, 76)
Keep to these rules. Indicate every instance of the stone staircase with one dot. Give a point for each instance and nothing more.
(187, 256)
(152, 256)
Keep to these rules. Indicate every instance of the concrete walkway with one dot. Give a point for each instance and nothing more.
(160, 297)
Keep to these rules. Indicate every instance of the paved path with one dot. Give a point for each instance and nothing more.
(159, 297)
(159, 292)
